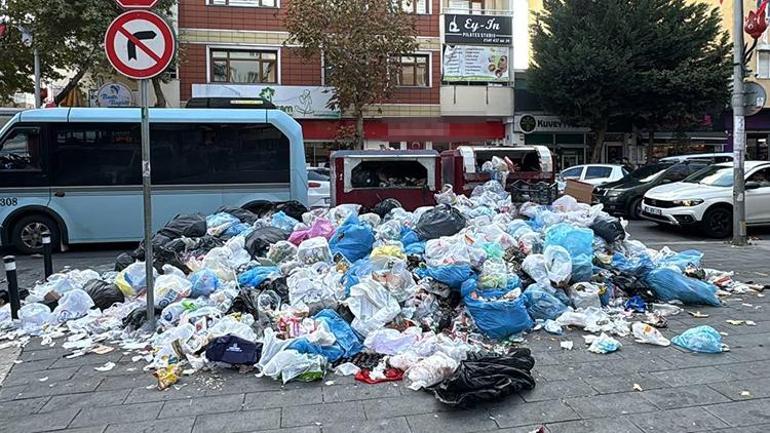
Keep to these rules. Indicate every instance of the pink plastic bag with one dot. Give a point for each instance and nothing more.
(321, 228)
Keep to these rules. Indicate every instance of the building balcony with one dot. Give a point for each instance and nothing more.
(483, 101)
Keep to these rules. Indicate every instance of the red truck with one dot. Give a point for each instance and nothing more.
(413, 177)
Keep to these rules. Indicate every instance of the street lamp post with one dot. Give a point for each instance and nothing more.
(739, 129)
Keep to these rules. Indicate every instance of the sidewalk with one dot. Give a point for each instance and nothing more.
(577, 391)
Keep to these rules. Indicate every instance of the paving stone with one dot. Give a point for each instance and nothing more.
(326, 413)
(140, 380)
(144, 394)
(48, 388)
(90, 399)
(359, 392)
(53, 375)
(93, 429)
(28, 366)
(608, 405)
(762, 428)
(742, 413)
(392, 425)
(598, 425)
(176, 425)
(672, 398)
(47, 353)
(757, 388)
(691, 419)
(742, 370)
(511, 413)
(122, 414)
(416, 404)
(305, 429)
(689, 376)
(238, 421)
(202, 405)
(22, 407)
(90, 359)
(558, 389)
(614, 384)
(461, 421)
(56, 420)
(284, 398)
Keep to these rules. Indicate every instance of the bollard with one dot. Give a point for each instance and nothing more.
(13, 285)
(47, 260)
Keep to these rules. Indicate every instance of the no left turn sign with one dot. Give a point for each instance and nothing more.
(139, 44)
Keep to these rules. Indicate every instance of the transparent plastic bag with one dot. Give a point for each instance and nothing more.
(390, 341)
(431, 370)
(494, 275)
(558, 264)
(447, 251)
(218, 223)
(446, 196)
(169, 289)
(203, 283)
(281, 251)
(534, 266)
(284, 222)
(72, 305)
(702, 339)
(314, 250)
(34, 316)
(585, 295)
(132, 281)
(372, 305)
(644, 333)
(371, 219)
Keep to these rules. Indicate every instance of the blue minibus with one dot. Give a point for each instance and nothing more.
(75, 173)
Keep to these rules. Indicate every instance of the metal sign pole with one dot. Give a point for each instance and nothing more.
(739, 129)
(146, 190)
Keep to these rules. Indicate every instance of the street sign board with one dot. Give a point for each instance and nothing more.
(139, 44)
(137, 4)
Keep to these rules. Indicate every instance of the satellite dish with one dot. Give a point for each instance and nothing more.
(754, 98)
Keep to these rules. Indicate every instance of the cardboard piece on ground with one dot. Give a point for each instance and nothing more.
(581, 191)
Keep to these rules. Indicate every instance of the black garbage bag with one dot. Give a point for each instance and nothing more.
(486, 377)
(610, 230)
(246, 302)
(203, 245)
(244, 215)
(138, 316)
(292, 208)
(103, 294)
(277, 285)
(123, 261)
(191, 226)
(442, 220)
(384, 207)
(230, 349)
(258, 241)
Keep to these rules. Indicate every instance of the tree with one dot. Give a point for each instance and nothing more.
(359, 41)
(69, 36)
(655, 63)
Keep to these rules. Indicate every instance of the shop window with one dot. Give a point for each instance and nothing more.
(390, 174)
(763, 63)
(246, 3)
(414, 71)
(244, 67)
(414, 6)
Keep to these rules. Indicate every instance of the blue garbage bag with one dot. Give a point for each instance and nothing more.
(237, 229)
(683, 259)
(347, 339)
(637, 266)
(256, 276)
(220, 222)
(703, 339)
(582, 268)
(409, 236)
(415, 249)
(542, 304)
(578, 241)
(636, 304)
(284, 222)
(301, 345)
(452, 275)
(204, 283)
(352, 239)
(670, 285)
(498, 319)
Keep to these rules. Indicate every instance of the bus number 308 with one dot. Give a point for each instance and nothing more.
(9, 201)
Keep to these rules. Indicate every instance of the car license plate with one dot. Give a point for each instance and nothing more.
(653, 211)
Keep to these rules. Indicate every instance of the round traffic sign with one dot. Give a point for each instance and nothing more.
(139, 44)
(137, 4)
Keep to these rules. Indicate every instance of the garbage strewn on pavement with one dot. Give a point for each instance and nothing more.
(440, 297)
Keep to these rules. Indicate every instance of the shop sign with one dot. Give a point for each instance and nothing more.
(478, 29)
(475, 63)
(529, 123)
(300, 102)
(114, 95)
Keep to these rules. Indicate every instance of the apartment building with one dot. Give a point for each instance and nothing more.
(457, 88)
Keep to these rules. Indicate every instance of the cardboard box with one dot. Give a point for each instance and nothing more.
(581, 191)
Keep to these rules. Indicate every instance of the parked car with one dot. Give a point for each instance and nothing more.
(624, 197)
(318, 186)
(713, 157)
(706, 198)
(595, 174)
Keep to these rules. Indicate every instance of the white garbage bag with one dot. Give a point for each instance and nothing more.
(558, 264)
(372, 305)
(171, 288)
(431, 370)
(390, 341)
(33, 316)
(644, 333)
(72, 305)
(584, 295)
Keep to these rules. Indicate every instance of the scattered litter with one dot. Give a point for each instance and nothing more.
(102, 350)
(604, 344)
(698, 314)
(644, 333)
(745, 394)
(751, 323)
(43, 379)
(329, 383)
(567, 345)
(638, 387)
(703, 339)
(106, 367)
(736, 322)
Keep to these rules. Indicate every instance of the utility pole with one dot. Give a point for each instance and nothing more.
(38, 102)
(739, 129)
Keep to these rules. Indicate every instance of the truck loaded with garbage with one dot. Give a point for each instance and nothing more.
(443, 297)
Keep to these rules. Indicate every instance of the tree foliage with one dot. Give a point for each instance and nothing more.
(359, 40)
(655, 63)
(69, 36)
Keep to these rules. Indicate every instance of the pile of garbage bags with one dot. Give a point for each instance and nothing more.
(439, 297)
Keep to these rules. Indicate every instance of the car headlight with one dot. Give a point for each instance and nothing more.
(688, 203)
(614, 193)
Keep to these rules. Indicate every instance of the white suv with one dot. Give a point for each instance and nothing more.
(706, 198)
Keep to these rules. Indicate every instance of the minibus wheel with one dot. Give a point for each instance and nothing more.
(27, 234)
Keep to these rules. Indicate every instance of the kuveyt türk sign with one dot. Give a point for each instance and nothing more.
(477, 29)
